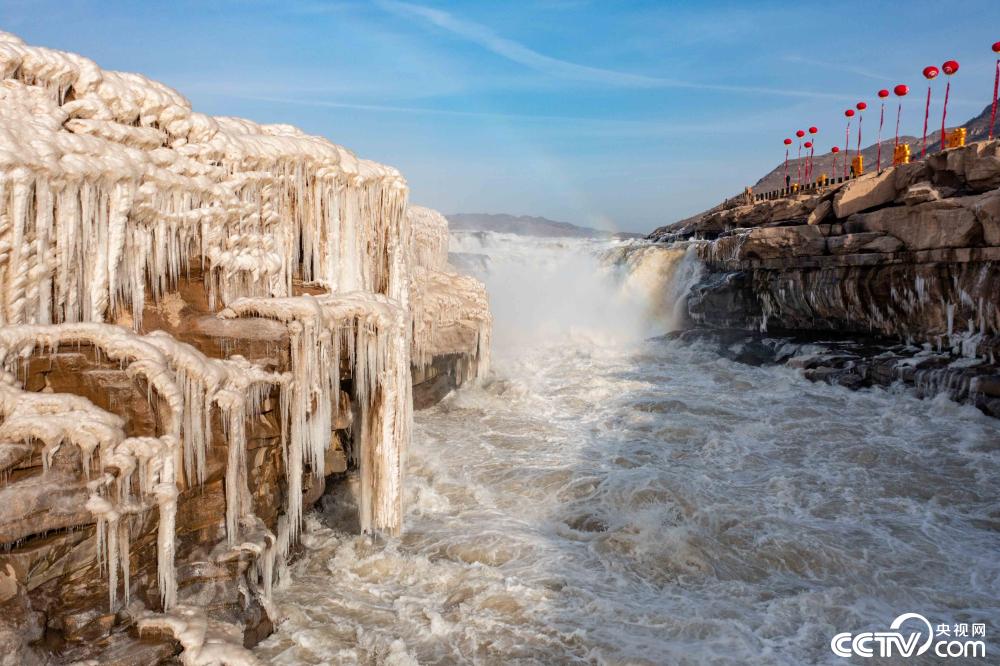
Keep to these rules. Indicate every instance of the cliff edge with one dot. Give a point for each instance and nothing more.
(905, 260)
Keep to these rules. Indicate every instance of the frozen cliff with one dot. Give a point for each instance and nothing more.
(201, 320)
(907, 258)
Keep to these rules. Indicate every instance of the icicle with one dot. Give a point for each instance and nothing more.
(107, 199)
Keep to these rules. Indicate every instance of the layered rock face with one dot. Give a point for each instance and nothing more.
(452, 323)
(202, 321)
(910, 254)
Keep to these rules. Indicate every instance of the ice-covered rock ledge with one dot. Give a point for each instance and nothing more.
(203, 322)
(910, 255)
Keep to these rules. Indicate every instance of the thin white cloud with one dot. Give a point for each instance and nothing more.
(514, 51)
(519, 53)
(623, 127)
(839, 67)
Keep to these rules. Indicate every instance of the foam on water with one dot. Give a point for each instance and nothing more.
(607, 500)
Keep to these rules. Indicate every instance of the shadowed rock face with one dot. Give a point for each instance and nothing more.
(57, 591)
(59, 604)
(910, 254)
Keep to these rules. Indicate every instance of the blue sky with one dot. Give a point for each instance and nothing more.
(611, 114)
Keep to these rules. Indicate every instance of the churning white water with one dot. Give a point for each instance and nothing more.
(605, 499)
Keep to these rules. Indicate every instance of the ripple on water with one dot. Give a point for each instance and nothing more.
(661, 506)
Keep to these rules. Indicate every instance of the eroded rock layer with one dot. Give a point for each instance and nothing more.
(201, 320)
(909, 254)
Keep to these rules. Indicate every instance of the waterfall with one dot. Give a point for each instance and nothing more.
(543, 290)
(660, 279)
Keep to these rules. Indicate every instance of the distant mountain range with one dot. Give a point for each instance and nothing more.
(525, 225)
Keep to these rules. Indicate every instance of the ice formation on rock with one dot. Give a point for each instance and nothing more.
(451, 312)
(113, 194)
(205, 642)
(429, 237)
(147, 470)
(372, 329)
(112, 185)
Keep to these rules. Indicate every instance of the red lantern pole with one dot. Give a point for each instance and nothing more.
(788, 142)
(798, 163)
(949, 68)
(929, 73)
(901, 90)
(798, 167)
(812, 131)
(861, 107)
(996, 86)
(881, 120)
(996, 90)
(847, 137)
(835, 150)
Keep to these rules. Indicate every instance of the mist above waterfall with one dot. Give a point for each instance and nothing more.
(550, 290)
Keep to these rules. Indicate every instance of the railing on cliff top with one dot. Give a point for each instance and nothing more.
(955, 138)
(747, 197)
(795, 188)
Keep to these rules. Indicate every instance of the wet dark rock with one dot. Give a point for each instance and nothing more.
(910, 255)
(858, 362)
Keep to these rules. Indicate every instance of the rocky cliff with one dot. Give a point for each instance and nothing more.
(203, 322)
(906, 260)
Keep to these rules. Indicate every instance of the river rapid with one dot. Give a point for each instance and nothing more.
(609, 498)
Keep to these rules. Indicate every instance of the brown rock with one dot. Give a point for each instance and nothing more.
(334, 461)
(866, 241)
(772, 242)
(905, 175)
(40, 504)
(922, 192)
(791, 208)
(987, 211)
(984, 172)
(935, 224)
(883, 244)
(820, 213)
(866, 192)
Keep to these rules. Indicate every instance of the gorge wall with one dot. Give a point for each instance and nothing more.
(905, 260)
(203, 321)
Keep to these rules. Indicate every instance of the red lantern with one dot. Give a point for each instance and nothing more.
(800, 134)
(996, 47)
(883, 93)
(788, 142)
(949, 67)
(813, 130)
(901, 91)
(861, 106)
(849, 113)
(835, 149)
(930, 72)
(808, 144)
